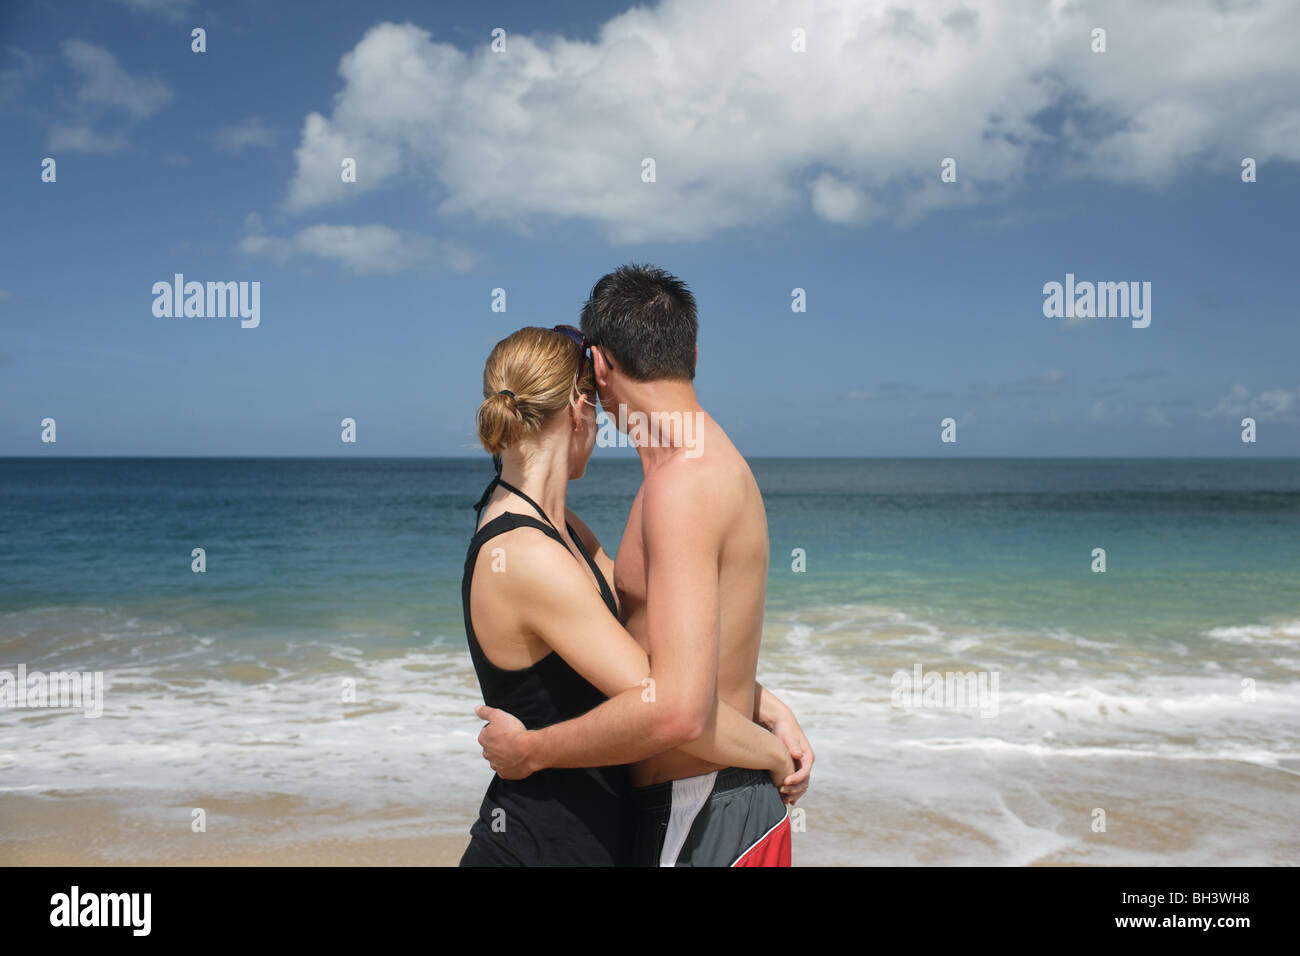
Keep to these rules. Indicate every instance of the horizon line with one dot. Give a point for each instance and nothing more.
(630, 458)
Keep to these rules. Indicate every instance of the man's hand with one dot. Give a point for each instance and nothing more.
(788, 731)
(504, 742)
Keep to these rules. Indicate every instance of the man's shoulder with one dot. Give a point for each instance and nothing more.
(703, 491)
(680, 475)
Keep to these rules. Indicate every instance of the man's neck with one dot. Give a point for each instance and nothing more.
(669, 411)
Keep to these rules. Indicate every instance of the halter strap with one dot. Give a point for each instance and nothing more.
(606, 592)
(499, 481)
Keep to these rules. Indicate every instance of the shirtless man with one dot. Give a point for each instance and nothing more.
(691, 572)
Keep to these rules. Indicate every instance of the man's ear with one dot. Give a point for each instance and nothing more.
(697, 357)
(599, 366)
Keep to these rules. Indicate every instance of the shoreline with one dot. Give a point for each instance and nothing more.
(1175, 813)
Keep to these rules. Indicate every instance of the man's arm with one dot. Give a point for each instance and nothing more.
(559, 605)
(678, 706)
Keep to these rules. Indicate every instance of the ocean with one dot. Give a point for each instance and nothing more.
(1149, 713)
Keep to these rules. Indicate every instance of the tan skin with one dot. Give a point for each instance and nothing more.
(696, 549)
(547, 601)
(691, 572)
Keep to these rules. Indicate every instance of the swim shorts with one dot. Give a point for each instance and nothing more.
(729, 817)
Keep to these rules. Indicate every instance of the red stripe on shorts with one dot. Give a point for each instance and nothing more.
(773, 849)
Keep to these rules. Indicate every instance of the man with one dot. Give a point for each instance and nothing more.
(691, 571)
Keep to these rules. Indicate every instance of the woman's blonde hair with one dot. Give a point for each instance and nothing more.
(529, 376)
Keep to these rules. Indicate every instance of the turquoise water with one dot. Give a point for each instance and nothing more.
(321, 571)
(1189, 544)
(308, 544)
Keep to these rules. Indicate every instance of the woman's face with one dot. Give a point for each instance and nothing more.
(583, 435)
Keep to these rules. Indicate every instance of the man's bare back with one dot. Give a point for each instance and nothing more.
(742, 562)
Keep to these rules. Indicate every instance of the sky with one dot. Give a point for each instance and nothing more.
(795, 146)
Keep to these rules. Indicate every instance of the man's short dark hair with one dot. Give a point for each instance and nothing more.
(645, 320)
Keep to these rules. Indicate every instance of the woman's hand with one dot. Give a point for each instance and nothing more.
(796, 783)
(772, 713)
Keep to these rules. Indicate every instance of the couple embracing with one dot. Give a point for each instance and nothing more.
(625, 724)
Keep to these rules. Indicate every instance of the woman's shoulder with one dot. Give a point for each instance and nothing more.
(527, 560)
(520, 532)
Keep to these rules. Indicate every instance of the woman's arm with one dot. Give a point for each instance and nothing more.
(773, 713)
(558, 603)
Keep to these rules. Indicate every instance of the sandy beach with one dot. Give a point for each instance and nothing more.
(71, 829)
(1174, 818)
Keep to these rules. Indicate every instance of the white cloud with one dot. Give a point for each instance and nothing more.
(836, 200)
(886, 391)
(15, 79)
(1157, 416)
(251, 132)
(1276, 405)
(105, 87)
(1051, 381)
(1102, 410)
(83, 139)
(170, 9)
(744, 130)
(361, 250)
(105, 83)
(1071, 322)
(1234, 403)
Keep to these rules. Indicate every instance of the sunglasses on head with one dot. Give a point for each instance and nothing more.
(574, 333)
(583, 343)
(578, 339)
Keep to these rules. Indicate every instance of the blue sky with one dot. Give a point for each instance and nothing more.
(775, 169)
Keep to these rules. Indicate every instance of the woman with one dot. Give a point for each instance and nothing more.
(542, 620)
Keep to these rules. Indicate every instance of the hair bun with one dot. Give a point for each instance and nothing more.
(501, 421)
(542, 365)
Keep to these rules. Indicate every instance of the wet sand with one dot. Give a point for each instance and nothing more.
(1157, 813)
(80, 829)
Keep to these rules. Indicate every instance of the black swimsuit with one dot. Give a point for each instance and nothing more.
(555, 817)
